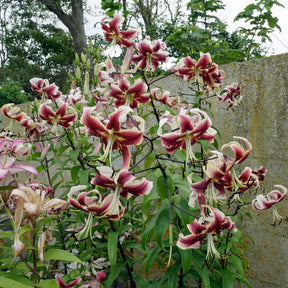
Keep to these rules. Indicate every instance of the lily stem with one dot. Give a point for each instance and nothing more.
(128, 268)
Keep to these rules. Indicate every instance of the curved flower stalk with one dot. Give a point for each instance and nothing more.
(150, 54)
(231, 95)
(122, 181)
(44, 89)
(190, 129)
(204, 69)
(101, 207)
(113, 34)
(206, 226)
(112, 135)
(63, 116)
(262, 202)
(129, 96)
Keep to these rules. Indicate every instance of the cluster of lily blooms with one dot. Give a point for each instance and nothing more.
(123, 128)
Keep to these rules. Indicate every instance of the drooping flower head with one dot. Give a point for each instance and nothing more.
(187, 130)
(221, 176)
(13, 112)
(44, 89)
(204, 69)
(124, 181)
(262, 202)
(130, 96)
(35, 200)
(150, 54)
(92, 202)
(113, 33)
(231, 95)
(206, 226)
(111, 132)
(62, 284)
(64, 116)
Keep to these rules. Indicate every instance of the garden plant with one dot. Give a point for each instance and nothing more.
(137, 191)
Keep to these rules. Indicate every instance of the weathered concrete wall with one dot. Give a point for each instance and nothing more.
(262, 118)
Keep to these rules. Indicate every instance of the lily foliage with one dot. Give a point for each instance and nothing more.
(140, 179)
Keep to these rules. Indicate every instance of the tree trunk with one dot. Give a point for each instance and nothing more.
(74, 22)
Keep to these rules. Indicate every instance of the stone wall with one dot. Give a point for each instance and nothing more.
(262, 118)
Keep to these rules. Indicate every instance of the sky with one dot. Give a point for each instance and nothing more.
(279, 43)
(279, 39)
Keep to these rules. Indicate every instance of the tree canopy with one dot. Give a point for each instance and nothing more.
(31, 37)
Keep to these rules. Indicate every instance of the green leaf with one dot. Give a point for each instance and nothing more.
(73, 155)
(237, 263)
(141, 282)
(114, 274)
(9, 283)
(186, 259)
(58, 254)
(74, 173)
(227, 278)
(60, 150)
(161, 226)
(162, 187)
(147, 231)
(201, 269)
(112, 247)
(4, 188)
(84, 177)
(48, 283)
(148, 261)
(173, 276)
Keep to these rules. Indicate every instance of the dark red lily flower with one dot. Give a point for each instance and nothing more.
(113, 34)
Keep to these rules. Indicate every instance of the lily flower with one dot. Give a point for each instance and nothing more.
(124, 181)
(95, 281)
(206, 226)
(63, 116)
(204, 68)
(112, 135)
(240, 153)
(165, 98)
(220, 175)
(270, 200)
(13, 112)
(150, 54)
(35, 202)
(96, 205)
(113, 34)
(33, 129)
(129, 96)
(8, 167)
(46, 90)
(190, 129)
(231, 95)
(62, 284)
